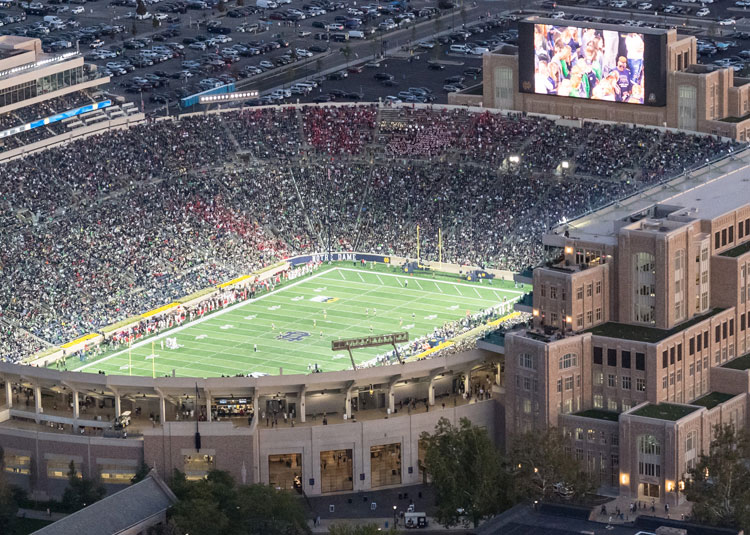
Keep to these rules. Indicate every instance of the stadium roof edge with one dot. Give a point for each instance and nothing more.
(713, 190)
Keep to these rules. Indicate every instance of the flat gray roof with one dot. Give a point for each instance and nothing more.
(713, 191)
(117, 512)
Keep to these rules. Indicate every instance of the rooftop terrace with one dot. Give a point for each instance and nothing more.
(712, 399)
(740, 363)
(599, 414)
(664, 411)
(737, 251)
(645, 334)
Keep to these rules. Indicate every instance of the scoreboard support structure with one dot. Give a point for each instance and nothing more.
(371, 341)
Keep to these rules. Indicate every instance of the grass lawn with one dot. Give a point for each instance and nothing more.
(294, 326)
(664, 411)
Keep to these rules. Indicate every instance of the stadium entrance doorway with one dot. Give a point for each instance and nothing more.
(285, 471)
(385, 465)
(336, 471)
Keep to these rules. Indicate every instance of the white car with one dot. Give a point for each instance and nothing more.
(426, 44)
(702, 12)
(303, 33)
(265, 64)
(222, 39)
(645, 6)
(558, 15)
(301, 52)
(197, 46)
(77, 10)
(727, 22)
(162, 16)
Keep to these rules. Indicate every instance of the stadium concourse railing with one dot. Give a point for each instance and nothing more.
(50, 355)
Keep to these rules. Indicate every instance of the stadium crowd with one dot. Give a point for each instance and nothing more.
(113, 225)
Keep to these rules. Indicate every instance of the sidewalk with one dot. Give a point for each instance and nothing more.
(678, 512)
(383, 523)
(40, 515)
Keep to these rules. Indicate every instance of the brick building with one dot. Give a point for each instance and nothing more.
(639, 339)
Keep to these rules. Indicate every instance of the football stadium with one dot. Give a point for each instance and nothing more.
(295, 293)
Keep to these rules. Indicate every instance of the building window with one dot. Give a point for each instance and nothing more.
(598, 378)
(527, 361)
(598, 314)
(598, 353)
(664, 382)
(640, 361)
(640, 384)
(626, 382)
(625, 357)
(569, 383)
(559, 385)
(589, 289)
(612, 405)
(553, 292)
(664, 359)
(612, 357)
(691, 370)
(569, 360)
(527, 383)
(612, 380)
(579, 292)
(691, 346)
(648, 445)
(579, 433)
(598, 401)
(649, 469)
(589, 317)
(579, 321)
(671, 378)
(598, 287)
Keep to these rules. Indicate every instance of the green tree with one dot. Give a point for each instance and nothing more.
(134, 28)
(543, 467)
(140, 8)
(155, 22)
(81, 491)
(221, 6)
(466, 472)
(217, 506)
(141, 472)
(240, 3)
(717, 485)
(347, 52)
(8, 504)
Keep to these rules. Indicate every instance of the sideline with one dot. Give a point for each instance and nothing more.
(174, 330)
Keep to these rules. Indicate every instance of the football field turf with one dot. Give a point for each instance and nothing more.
(294, 326)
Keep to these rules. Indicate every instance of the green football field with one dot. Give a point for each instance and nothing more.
(294, 326)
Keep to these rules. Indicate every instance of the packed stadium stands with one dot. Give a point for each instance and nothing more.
(113, 225)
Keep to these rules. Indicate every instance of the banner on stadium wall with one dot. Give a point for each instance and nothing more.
(335, 257)
(55, 118)
(80, 340)
(159, 310)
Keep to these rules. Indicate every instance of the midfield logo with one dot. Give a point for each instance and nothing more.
(293, 336)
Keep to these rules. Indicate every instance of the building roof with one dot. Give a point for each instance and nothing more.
(642, 333)
(664, 411)
(599, 414)
(118, 512)
(712, 399)
(719, 188)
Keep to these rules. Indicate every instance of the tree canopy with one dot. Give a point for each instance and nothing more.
(543, 466)
(217, 506)
(717, 485)
(81, 491)
(466, 472)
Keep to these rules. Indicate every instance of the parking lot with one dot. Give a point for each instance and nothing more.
(159, 51)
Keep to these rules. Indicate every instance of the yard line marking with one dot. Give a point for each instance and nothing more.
(438, 287)
(381, 280)
(360, 276)
(477, 291)
(451, 283)
(201, 320)
(340, 273)
(420, 286)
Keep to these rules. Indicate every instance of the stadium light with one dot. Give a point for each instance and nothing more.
(565, 164)
(227, 97)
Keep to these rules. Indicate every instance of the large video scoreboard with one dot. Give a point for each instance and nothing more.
(592, 61)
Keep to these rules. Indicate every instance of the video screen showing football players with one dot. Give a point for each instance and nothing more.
(587, 63)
